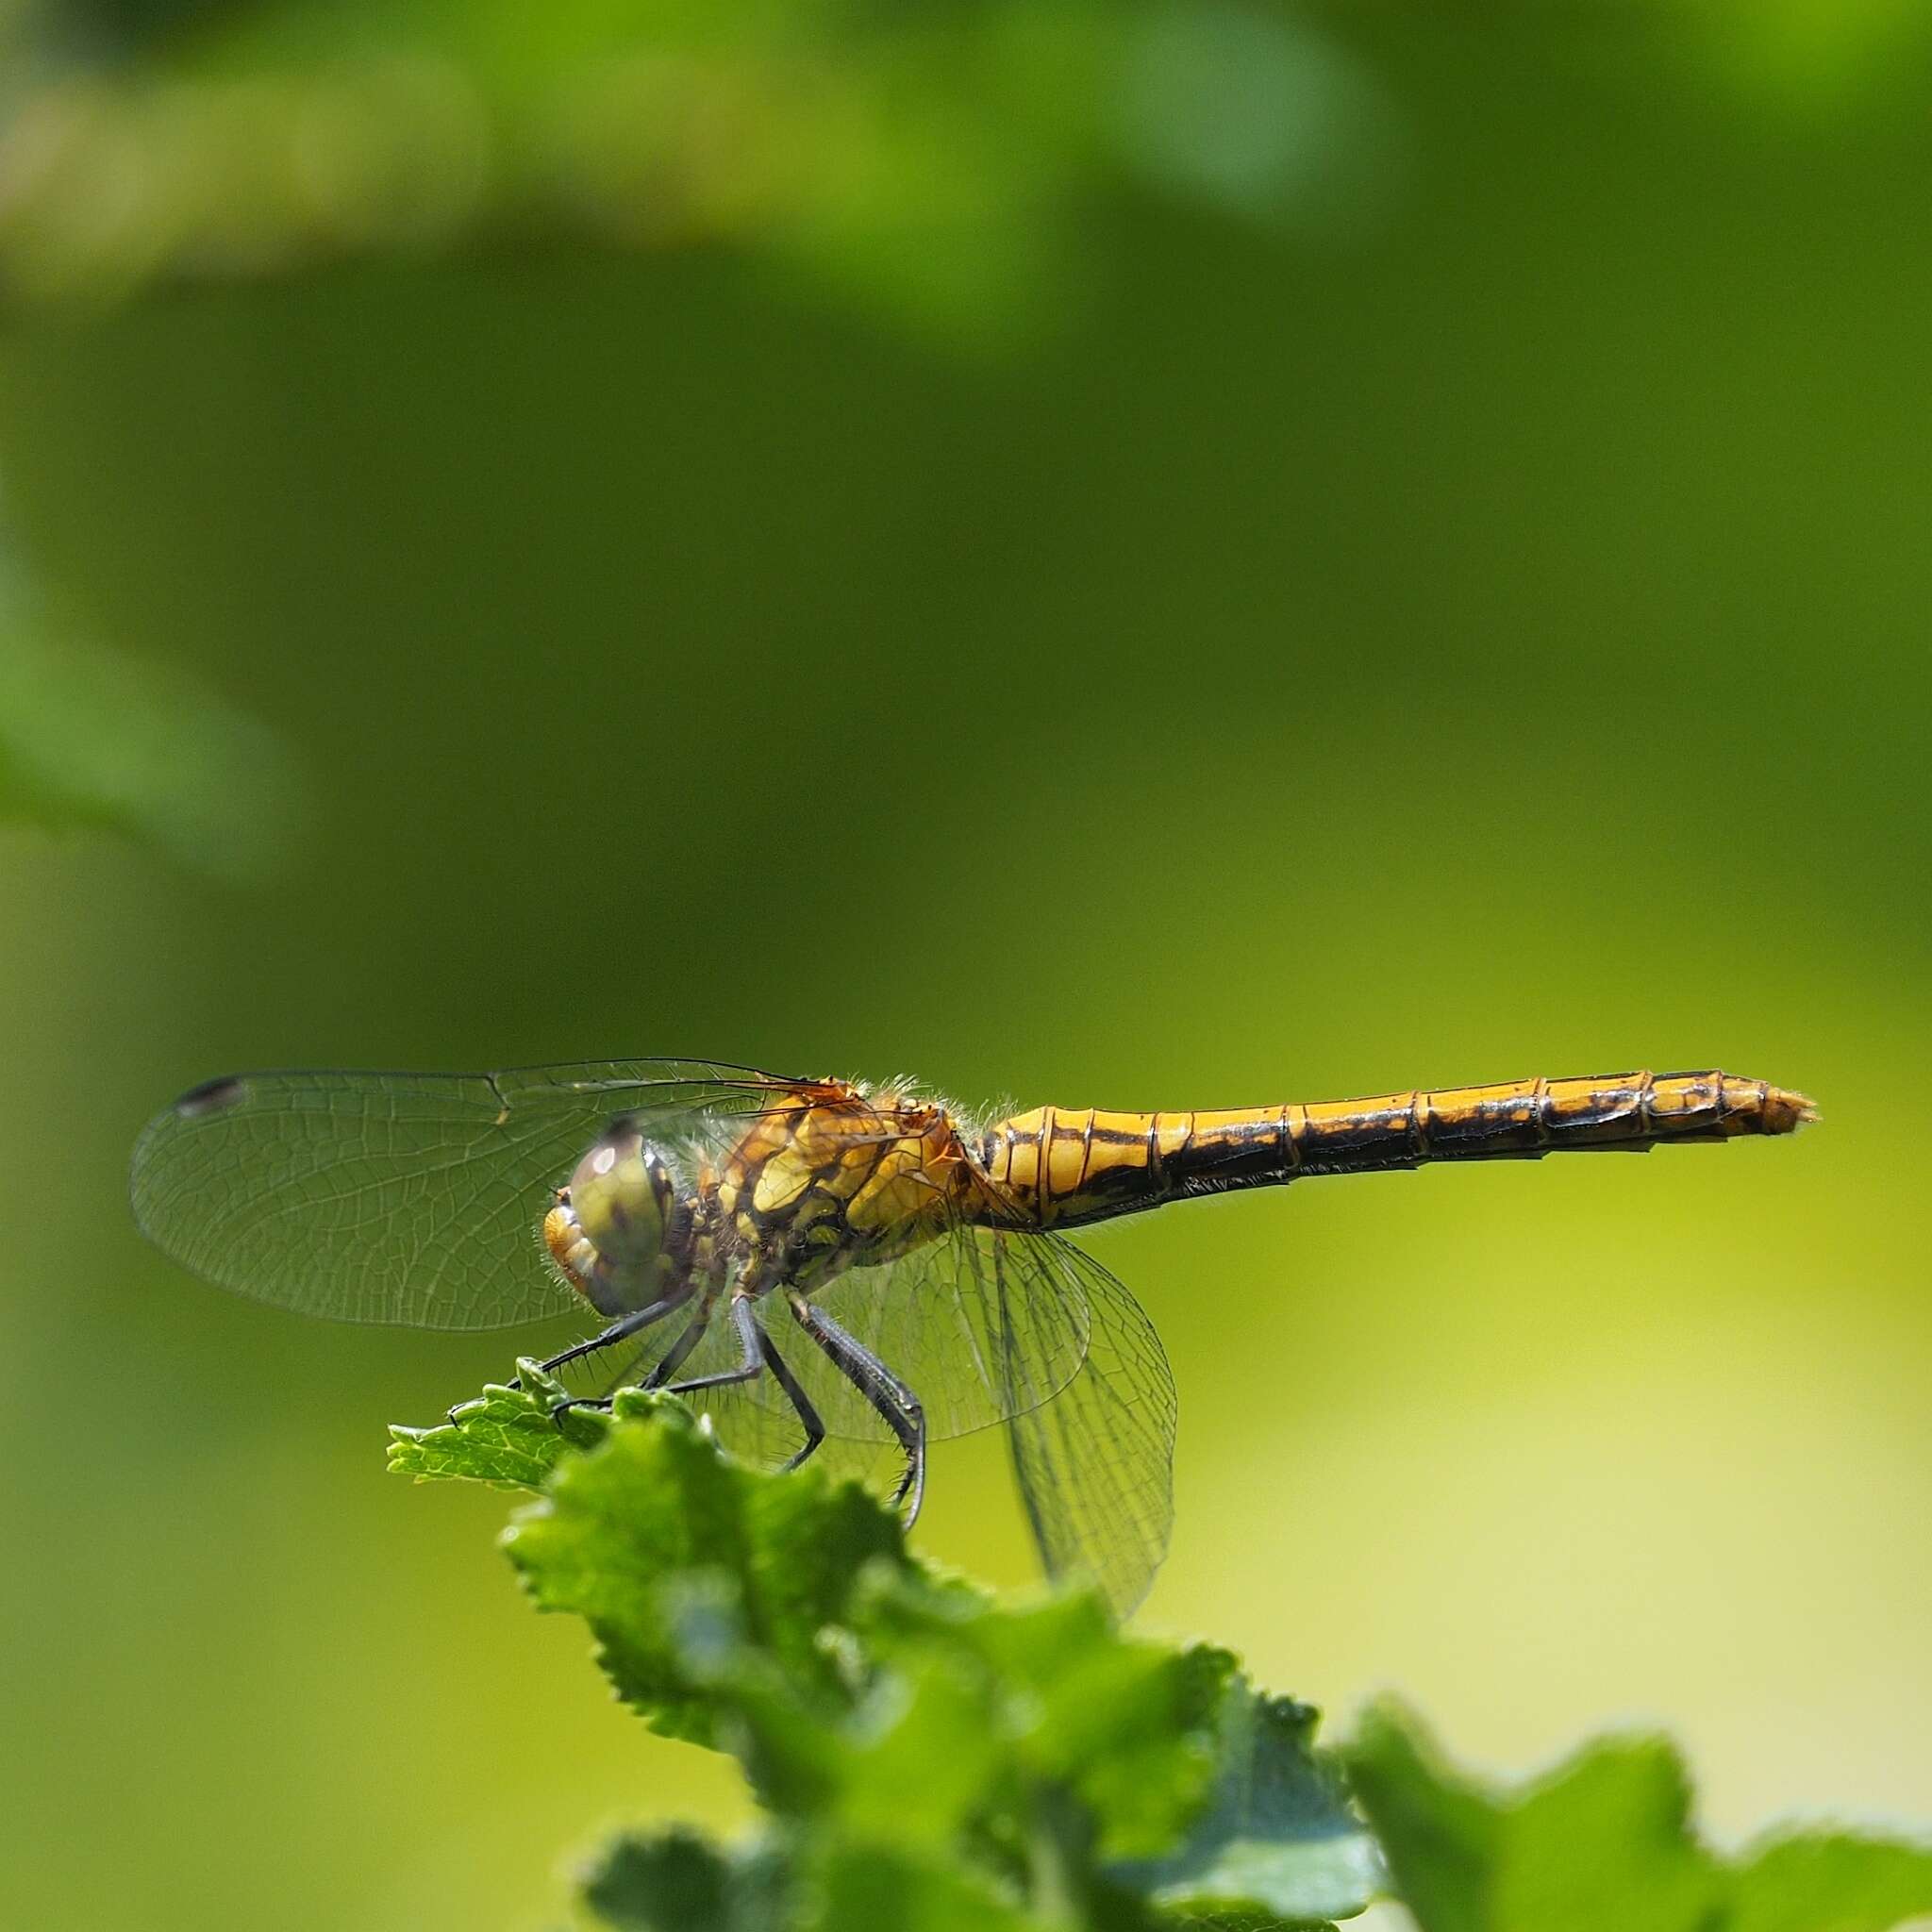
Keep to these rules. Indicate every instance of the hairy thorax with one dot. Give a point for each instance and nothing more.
(843, 1178)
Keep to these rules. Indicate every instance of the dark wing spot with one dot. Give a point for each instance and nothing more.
(212, 1096)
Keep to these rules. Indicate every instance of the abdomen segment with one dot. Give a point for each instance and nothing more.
(1060, 1167)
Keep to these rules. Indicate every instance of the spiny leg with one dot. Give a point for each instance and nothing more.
(620, 1331)
(894, 1402)
(808, 1415)
(757, 1351)
(751, 1355)
(675, 1355)
(667, 1367)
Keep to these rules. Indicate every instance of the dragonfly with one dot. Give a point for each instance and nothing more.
(819, 1263)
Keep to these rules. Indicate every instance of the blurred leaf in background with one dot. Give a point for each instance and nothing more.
(930, 163)
(92, 738)
(1807, 56)
(1255, 110)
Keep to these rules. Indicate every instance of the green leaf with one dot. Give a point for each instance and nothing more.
(867, 1886)
(509, 1438)
(932, 1758)
(678, 1881)
(1439, 1833)
(1604, 1842)
(782, 1618)
(1125, 1726)
(920, 1757)
(1597, 1845)
(682, 1563)
(1830, 1882)
(1278, 1841)
(931, 165)
(875, 1704)
(92, 739)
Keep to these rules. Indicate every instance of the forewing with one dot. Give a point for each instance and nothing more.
(975, 1345)
(408, 1198)
(1095, 1464)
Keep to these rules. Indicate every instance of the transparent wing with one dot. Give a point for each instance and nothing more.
(978, 1339)
(1095, 1465)
(408, 1198)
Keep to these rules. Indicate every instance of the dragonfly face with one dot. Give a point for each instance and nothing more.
(608, 1229)
(714, 1217)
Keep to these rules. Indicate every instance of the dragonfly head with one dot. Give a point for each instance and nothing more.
(606, 1230)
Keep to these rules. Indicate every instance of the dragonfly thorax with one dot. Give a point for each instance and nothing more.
(607, 1232)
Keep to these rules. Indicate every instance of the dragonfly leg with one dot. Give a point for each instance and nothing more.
(751, 1354)
(675, 1355)
(894, 1402)
(758, 1353)
(625, 1325)
(807, 1416)
(619, 1330)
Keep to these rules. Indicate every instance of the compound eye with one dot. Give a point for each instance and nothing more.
(621, 1194)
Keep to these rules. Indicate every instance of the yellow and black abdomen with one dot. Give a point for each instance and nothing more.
(1059, 1168)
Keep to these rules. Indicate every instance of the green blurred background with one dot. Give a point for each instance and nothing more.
(1156, 557)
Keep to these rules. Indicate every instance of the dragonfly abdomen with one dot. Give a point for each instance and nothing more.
(1063, 1168)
